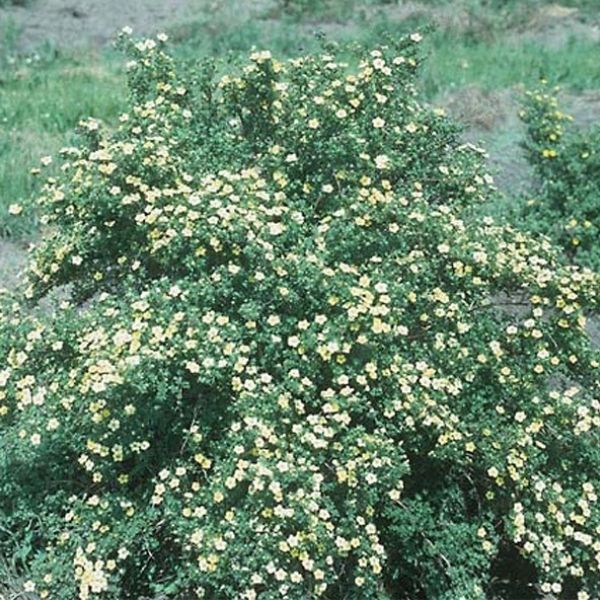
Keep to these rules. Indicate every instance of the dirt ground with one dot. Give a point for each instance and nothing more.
(76, 23)
(93, 23)
(12, 260)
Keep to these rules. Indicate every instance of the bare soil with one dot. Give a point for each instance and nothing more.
(491, 119)
(92, 23)
(12, 260)
(555, 26)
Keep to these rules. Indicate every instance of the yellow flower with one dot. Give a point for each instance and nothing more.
(382, 162)
(493, 472)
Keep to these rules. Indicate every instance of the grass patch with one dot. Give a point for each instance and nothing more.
(40, 105)
(500, 64)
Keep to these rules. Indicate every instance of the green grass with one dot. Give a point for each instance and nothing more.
(502, 64)
(40, 106)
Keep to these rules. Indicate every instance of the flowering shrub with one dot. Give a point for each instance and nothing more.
(567, 163)
(292, 364)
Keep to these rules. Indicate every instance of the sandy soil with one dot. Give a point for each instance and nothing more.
(491, 120)
(85, 23)
(555, 26)
(12, 260)
(78, 23)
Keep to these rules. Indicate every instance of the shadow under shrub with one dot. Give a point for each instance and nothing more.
(292, 366)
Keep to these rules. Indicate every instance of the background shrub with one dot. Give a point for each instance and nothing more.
(567, 163)
(291, 363)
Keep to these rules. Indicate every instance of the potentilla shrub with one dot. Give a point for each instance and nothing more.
(292, 364)
(566, 160)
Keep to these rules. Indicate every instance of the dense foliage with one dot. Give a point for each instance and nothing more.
(292, 364)
(567, 163)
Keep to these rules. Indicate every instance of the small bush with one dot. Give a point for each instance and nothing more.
(567, 162)
(292, 366)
